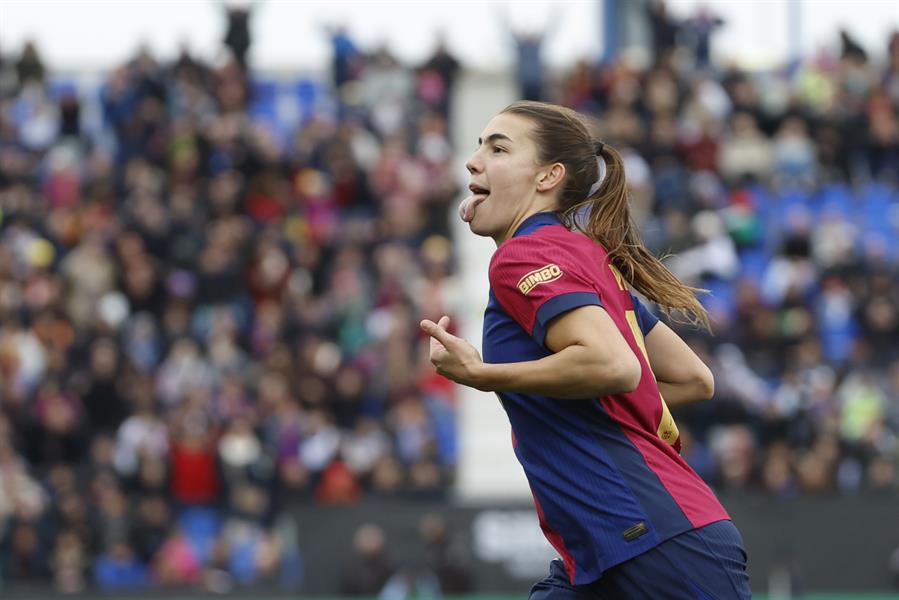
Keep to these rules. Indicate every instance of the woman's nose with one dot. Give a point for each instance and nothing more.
(472, 164)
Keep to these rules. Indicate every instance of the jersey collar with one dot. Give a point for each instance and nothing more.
(536, 221)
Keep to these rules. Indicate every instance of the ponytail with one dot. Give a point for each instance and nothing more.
(563, 135)
(608, 222)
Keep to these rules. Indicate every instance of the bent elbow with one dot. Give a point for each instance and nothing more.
(625, 377)
(632, 378)
(706, 384)
(627, 386)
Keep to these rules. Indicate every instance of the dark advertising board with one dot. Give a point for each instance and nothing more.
(840, 543)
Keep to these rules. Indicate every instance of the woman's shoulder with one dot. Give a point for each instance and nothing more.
(532, 244)
(550, 244)
(560, 240)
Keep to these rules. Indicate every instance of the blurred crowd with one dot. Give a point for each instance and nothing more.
(205, 317)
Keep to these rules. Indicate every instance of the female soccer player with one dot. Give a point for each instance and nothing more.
(584, 370)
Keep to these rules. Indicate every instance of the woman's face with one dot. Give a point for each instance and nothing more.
(504, 178)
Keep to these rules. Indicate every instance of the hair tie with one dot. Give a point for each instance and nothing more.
(598, 146)
(600, 169)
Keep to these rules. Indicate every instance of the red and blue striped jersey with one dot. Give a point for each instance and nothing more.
(606, 474)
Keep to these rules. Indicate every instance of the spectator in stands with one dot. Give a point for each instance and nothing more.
(237, 35)
(150, 525)
(370, 567)
(663, 28)
(437, 78)
(23, 557)
(529, 67)
(445, 557)
(745, 151)
(346, 59)
(177, 562)
(30, 68)
(69, 563)
(698, 31)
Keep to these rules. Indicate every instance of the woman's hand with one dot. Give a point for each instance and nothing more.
(453, 357)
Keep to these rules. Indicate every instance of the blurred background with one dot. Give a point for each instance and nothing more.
(221, 222)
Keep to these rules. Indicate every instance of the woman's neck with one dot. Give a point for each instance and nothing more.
(516, 223)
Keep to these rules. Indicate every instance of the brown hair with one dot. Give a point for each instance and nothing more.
(563, 136)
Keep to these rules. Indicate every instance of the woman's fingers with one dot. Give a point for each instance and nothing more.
(438, 331)
(452, 357)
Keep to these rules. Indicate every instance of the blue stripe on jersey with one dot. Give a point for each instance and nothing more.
(585, 497)
(666, 514)
(536, 221)
(502, 333)
(645, 319)
(557, 305)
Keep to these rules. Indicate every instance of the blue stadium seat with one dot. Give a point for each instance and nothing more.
(754, 262)
(443, 423)
(721, 297)
(767, 209)
(837, 344)
(282, 106)
(796, 200)
(835, 197)
(875, 203)
(242, 562)
(59, 87)
(308, 95)
(263, 101)
(201, 526)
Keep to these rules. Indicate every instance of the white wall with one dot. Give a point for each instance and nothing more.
(97, 34)
(289, 34)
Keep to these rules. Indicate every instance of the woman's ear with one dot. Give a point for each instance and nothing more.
(550, 177)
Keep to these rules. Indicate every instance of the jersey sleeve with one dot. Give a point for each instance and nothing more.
(645, 319)
(534, 281)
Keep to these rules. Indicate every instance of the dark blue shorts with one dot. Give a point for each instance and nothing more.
(708, 563)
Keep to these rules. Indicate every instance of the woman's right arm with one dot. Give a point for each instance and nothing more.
(682, 377)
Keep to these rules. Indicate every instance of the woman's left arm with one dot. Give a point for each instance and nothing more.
(589, 358)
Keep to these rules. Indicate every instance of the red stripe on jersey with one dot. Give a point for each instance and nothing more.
(691, 494)
(555, 540)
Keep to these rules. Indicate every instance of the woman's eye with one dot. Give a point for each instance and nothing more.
(497, 149)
